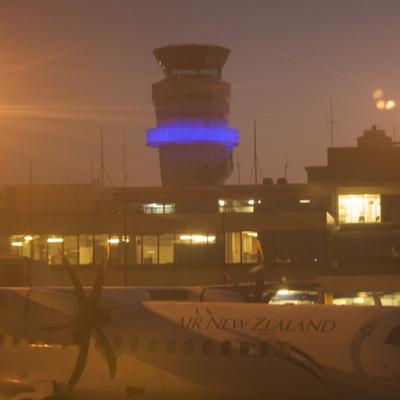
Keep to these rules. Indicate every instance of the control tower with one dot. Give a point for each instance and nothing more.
(193, 136)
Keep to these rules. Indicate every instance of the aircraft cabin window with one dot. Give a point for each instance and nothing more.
(394, 337)
(170, 346)
(152, 345)
(244, 348)
(134, 345)
(226, 347)
(207, 346)
(188, 346)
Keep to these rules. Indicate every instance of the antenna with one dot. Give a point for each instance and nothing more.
(285, 169)
(256, 163)
(101, 156)
(331, 122)
(124, 171)
(255, 152)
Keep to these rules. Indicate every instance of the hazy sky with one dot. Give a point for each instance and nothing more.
(68, 66)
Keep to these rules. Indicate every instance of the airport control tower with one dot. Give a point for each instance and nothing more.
(193, 136)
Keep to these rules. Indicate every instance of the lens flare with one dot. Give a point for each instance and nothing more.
(380, 105)
(377, 94)
(390, 104)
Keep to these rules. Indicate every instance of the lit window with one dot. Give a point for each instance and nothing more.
(236, 206)
(21, 245)
(242, 247)
(159, 208)
(250, 248)
(55, 249)
(150, 249)
(359, 208)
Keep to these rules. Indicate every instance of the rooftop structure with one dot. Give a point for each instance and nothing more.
(375, 159)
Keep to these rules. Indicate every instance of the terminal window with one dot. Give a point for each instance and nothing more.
(236, 206)
(242, 247)
(359, 208)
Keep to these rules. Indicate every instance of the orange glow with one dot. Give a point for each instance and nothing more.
(380, 105)
(377, 94)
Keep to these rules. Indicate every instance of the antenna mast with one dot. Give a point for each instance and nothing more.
(255, 153)
(331, 121)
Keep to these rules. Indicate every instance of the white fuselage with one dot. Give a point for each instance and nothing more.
(222, 349)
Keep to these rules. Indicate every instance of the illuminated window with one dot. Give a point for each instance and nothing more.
(195, 248)
(166, 248)
(359, 208)
(39, 247)
(86, 249)
(232, 248)
(54, 249)
(21, 245)
(116, 249)
(236, 206)
(150, 249)
(159, 208)
(250, 248)
(242, 247)
(71, 249)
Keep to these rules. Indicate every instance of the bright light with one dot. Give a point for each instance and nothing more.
(390, 104)
(251, 202)
(249, 233)
(377, 94)
(359, 208)
(197, 239)
(154, 205)
(157, 137)
(282, 292)
(380, 105)
(17, 244)
(221, 203)
(113, 241)
(305, 201)
(55, 240)
(28, 238)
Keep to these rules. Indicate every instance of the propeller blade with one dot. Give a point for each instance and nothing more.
(95, 294)
(81, 360)
(105, 345)
(59, 327)
(79, 292)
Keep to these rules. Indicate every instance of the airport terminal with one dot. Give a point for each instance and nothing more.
(194, 229)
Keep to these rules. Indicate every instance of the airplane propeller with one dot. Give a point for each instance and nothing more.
(89, 319)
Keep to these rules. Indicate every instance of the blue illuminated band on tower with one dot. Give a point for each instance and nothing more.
(225, 136)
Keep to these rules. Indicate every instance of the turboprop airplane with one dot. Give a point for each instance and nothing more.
(118, 343)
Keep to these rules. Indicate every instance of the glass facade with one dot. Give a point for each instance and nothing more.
(182, 248)
(359, 208)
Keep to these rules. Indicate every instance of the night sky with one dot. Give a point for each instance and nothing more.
(68, 66)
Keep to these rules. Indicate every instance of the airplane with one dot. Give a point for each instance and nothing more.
(119, 343)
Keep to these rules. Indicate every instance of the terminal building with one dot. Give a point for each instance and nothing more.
(194, 230)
